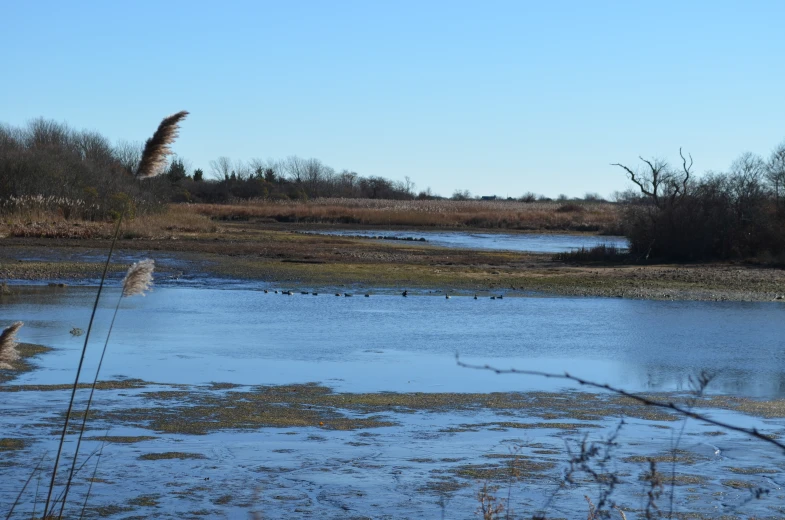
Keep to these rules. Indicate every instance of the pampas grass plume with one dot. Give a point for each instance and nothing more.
(8, 353)
(157, 147)
(139, 278)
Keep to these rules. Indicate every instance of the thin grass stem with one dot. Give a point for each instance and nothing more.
(79, 368)
(21, 492)
(92, 479)
(89, 402)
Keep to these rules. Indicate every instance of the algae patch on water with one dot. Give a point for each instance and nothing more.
(167, 455)
(122, 439)
(201, 410)
(12, 444)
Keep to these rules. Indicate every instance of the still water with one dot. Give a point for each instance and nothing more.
(390, 343)
(532, 243)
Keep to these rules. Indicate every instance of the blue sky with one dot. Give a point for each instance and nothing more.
(493, 97)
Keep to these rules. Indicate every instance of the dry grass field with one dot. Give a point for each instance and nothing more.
(537, 216)
(51, 219)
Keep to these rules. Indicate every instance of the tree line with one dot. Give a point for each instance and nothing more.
(740, 213)
(91, 178)
(291, 178)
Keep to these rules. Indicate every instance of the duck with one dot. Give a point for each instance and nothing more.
(475, 296)
(367, 295)
(446, 296)
(404, 293)
(347, 295)
(265, 291)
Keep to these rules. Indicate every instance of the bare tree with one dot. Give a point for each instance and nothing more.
(408, 186)
(775, 169)
(659, 181)
(221, 168)
(745, 183)
(461, 195)
(295, 168)
(347, 183)
(129, 154)
(268, 170)
(243, 170)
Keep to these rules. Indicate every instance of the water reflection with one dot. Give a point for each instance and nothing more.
(404, 344)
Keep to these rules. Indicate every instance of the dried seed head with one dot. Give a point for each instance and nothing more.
(157, 147)
(139, 278)
(8, 343)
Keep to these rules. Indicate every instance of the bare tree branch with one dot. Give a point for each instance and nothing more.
(634, 179)
(752, 432)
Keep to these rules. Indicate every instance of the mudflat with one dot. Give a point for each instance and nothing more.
(281, 254)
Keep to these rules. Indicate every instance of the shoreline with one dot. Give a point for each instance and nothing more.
(290, 259)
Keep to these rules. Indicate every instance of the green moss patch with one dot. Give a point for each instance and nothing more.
(12, 444)
(122, 439)
(145, 500)
(167, 455)
(119, 384)
(515, 469)
(677, 456)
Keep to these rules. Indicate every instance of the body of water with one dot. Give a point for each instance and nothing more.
(528, 242)
(427, 463)
(391, 343)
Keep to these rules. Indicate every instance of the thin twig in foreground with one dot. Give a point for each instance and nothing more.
(752, 432)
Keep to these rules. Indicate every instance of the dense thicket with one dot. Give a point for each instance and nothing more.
(734, 214)
(292, 178)
(81, 174)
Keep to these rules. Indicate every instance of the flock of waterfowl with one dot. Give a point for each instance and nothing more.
(405, 293)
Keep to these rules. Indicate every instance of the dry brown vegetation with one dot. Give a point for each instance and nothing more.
(543, 216)
(176, 220)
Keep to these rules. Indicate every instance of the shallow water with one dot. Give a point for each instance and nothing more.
(390, 343)
(528, 242)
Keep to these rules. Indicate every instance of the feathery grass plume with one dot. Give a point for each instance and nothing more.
(139, 278)
(157, 147)
(8, 353)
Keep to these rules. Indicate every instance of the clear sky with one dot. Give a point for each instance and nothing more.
(493, 97)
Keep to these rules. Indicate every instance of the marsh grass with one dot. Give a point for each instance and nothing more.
(137, 281)
(176, 220)
(592, 217)
(156, 149)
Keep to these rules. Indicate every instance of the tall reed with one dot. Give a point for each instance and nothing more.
(137, 281)
(8, 344)
(153, 159)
